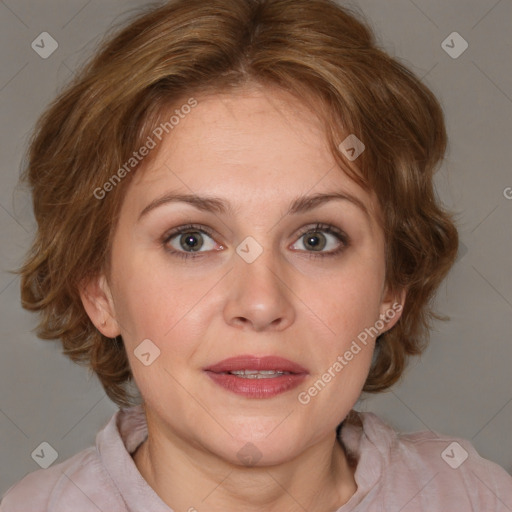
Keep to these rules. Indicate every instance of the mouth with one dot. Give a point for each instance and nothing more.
(253, 367)
(257, 377)
(257, 374)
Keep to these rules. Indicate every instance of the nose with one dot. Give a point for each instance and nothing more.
(259, 294)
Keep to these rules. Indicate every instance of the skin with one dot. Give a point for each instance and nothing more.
(259, 149)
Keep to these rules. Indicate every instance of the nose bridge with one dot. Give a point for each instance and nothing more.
(257, 292)
(258, 264)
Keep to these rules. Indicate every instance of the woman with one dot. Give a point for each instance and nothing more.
(236, 210)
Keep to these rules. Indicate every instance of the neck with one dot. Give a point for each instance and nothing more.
(320, 479)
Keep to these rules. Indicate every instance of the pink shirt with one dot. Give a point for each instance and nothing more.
(395, 472)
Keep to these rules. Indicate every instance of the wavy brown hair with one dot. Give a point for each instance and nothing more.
(314, 49)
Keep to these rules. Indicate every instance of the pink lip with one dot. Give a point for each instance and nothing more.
(257, 388)
(248, 362)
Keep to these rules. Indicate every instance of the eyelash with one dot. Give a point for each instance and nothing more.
(325, 228)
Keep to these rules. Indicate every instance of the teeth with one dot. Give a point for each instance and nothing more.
(258, 374)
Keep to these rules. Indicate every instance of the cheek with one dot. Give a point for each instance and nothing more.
(161, 310)
(348, 301)
(159, 303)
(342, 355)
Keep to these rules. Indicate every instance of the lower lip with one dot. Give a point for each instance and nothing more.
(257, 388)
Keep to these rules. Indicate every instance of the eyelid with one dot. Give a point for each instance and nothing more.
(187, 228)
(343, 239)
(171, 233)
(329, 228)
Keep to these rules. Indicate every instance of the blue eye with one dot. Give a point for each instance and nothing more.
(324, 236)
(187, 240)
(192, 241)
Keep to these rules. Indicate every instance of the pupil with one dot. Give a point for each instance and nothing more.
(315, 241)
(191, 241)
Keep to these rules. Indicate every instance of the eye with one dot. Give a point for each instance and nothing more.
(187, 240)
(323, 239)
(192, 240)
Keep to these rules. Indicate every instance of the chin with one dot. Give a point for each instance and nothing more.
(275, 446)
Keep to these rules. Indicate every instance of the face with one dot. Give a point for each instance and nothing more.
(257, 270)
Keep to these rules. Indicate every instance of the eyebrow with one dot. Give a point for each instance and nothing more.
(212, 204)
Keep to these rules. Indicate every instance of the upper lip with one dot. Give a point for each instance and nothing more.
(250, 362)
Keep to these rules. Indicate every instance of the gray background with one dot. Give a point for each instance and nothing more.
(461, 386)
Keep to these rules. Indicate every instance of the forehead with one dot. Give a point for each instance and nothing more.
(256, 144)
